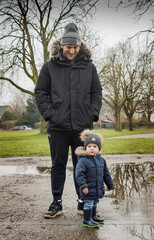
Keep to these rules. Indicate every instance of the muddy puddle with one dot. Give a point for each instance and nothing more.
(129, 178)
(132, 202)
(128, 210)
(28, 170)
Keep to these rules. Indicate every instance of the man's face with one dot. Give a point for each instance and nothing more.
(70, 51)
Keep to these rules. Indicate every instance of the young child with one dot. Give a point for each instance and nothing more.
(91, 173)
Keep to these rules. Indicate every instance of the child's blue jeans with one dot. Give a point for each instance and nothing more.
(88, 204)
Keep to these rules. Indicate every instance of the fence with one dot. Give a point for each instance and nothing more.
(7, 125)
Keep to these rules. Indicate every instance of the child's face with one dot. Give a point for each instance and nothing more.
(92, 149)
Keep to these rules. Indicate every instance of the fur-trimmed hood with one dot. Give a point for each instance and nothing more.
(55, 50)
(80, 151)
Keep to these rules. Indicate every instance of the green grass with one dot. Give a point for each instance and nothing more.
(128, 146)
(112, 133)
(32, 143)
(151, 179)
(23, 144)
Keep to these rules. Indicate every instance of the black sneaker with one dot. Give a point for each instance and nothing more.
(54, 210)
(80, 206)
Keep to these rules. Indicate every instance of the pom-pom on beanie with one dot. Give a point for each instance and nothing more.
(88, 137)
(71, 35)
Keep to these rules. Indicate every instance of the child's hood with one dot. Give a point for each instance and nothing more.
(80, 151)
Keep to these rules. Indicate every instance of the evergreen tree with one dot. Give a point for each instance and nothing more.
(7, 116)
(31, 115)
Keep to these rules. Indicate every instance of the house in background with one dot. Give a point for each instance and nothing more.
(5, 125)
(4, 108)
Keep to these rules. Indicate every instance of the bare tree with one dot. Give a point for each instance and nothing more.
(27, 27)
(111, 79)
(93, 40)
(139, 7)
(147, 88)
(124, 75)
(18, 104)
(132, 81)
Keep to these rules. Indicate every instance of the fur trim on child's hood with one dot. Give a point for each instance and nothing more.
(80, 151)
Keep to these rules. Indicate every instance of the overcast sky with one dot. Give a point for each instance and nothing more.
(118, 25)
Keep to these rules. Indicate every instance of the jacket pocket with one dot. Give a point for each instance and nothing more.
(57, 103)
(56, 111)
(88, 110)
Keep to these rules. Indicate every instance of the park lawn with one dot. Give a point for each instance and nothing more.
(32, 143)
(112, 133)
(23, 144)
(128, 146)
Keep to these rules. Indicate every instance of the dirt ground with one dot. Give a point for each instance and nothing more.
(25, 196)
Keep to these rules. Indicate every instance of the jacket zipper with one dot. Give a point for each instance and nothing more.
(96, 177)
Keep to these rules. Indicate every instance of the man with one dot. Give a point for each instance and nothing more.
(69, 96)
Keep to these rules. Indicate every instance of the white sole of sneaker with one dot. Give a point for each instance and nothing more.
(49, 216)
(80, 212)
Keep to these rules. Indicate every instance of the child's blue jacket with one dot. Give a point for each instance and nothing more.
(92, 172)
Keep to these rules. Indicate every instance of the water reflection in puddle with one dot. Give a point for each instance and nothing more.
(131, 202)
(13, 170)
(33, 170)
(131, 179)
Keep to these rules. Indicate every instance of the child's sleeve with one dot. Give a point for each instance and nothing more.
(80, 174)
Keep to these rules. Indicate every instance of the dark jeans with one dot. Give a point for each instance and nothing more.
(59, 146)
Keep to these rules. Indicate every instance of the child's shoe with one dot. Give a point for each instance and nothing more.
(95, 218)
(88, 221)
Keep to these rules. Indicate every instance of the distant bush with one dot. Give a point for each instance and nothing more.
(7, 116)
(124, 124)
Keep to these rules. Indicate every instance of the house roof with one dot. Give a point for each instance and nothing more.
(3, 109)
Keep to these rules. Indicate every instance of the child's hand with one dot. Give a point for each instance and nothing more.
(85, 190)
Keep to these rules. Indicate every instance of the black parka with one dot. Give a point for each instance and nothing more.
(68, 93)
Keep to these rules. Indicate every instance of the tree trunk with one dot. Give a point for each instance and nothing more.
(130, 123)
(117, 120)
(43, 126)
(149, 116)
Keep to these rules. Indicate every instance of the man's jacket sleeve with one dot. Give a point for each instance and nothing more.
(42, 93)
(96, 95)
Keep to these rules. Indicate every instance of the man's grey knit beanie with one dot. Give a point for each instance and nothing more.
(71, 35)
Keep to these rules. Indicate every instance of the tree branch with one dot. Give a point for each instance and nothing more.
(17, 86)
